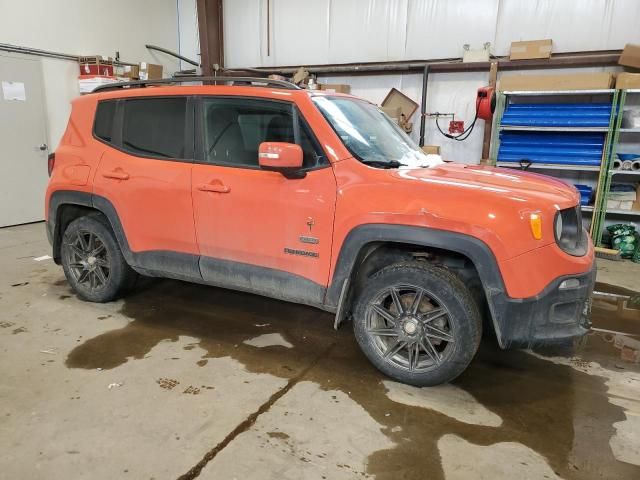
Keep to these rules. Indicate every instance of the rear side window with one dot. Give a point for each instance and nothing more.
(155, 127)
(103, 125)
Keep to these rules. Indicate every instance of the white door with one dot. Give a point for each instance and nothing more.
(23, 140)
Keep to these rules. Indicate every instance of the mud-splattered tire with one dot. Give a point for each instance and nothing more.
(417, 323)
(92, 261)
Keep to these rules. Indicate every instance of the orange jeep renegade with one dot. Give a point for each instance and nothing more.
(319, 199)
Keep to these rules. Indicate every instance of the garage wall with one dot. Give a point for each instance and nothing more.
(87, 28)
(188, 36)
(347, 31)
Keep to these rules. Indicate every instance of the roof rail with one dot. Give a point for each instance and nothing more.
(245, 81)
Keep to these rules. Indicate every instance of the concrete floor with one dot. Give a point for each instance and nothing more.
(185, 381)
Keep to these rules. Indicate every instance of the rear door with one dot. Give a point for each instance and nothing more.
(256, 229)
(146, 174)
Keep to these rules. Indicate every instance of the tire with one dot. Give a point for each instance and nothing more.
(443, 326)
(92, 261)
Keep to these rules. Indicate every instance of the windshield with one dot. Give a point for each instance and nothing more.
(370, 135)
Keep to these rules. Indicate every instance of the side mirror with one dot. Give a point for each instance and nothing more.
(282, 157)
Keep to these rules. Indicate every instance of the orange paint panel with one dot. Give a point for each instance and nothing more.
(491, 204)
(76, 174)
(259, 217)
(152, 198)
(526, 275)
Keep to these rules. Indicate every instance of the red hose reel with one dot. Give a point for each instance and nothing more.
(486, 102)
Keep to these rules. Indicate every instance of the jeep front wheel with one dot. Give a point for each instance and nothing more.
(417, 323)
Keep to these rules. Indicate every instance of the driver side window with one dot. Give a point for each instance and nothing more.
(234, 128)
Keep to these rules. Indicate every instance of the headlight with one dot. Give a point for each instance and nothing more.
(558, 226)
(569, 233)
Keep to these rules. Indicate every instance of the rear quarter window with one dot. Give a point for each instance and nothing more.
(103, 123)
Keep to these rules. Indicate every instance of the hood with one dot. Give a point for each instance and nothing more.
(508, 183)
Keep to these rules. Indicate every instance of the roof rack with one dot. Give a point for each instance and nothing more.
(245, 81)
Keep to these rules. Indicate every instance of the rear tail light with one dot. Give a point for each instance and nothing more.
(51, 162)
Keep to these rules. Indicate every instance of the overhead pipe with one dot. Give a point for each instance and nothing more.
(6, 47)
(173, 54)
(423, 104)
(569, 60)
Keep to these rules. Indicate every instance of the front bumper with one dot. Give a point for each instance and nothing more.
(552, 316)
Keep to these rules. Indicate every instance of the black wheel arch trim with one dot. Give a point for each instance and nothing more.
(473, 248)
(58, 199)
(189, 267)
(177, 265)
(61, 198)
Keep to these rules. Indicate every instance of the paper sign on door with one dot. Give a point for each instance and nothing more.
(14, 91)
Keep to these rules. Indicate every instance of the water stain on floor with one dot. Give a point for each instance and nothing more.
(558, 412)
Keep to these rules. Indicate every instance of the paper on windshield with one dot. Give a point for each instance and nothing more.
(422, 161)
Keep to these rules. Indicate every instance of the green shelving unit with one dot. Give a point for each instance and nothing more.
(601, 173)
(620, 137)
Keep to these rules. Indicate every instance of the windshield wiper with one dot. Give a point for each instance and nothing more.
(384, 163)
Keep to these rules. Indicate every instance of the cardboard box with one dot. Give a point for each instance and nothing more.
(132, 72)
(300, 76)
(578, 81)
(620, 204)
(396, 99)
(335, 88)
(96, 65)
(628, 80)
(149, 71)
(393, 112)
(530, 49)
(630, 56)
(431, 149)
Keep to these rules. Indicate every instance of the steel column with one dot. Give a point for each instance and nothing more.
(211, 35)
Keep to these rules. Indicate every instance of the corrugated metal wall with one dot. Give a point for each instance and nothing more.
(343, 31)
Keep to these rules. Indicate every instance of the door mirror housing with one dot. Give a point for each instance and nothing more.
(282, 157)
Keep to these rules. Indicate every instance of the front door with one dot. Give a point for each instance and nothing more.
(145, 172)
(23, 140)
(258, 230)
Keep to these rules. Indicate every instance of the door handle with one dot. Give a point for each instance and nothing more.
(213, 187)
(117, 175)
(43, 147)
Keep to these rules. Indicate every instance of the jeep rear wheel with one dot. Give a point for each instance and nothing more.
(92, 261)
(417, 323)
